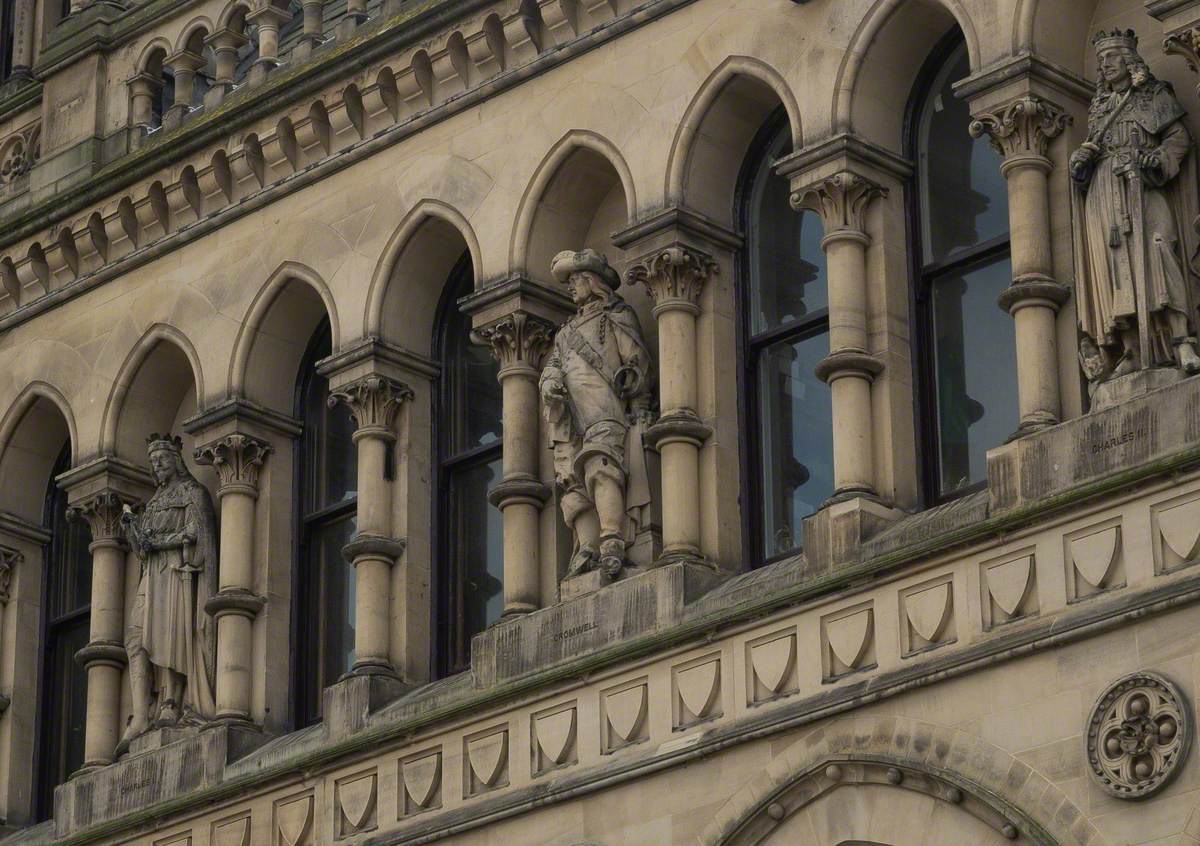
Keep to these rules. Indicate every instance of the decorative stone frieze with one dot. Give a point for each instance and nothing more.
(10, 559)
(841, 200)
(374, 401)
(238, 460)
(1138, 735)
(19, 153)
(1024, 127)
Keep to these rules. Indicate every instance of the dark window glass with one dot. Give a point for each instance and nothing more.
(68, 592)
(328, 479)
(786, 328)
(970, 384)
(470, 569)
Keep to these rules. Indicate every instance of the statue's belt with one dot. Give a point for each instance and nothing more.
(578, 344)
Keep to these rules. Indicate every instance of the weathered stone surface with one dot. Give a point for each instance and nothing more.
(347, 704)
(192, 762)
(1158, 425)
(640, 605)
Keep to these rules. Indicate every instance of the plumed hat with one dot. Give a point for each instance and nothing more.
(570, 261)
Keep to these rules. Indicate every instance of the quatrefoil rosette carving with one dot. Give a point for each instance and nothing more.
(1138, 735)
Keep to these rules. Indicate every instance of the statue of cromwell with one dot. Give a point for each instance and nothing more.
(1134, 204)
(170, 638)
(597, 392)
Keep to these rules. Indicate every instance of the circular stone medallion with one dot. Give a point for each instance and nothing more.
(1138, 735)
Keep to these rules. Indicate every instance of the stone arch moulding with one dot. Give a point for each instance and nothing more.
(227, 14)
(17, 459)
(149, 51)
(684, 143)
(24, 401)
(891, 752)
(576, 139)
(865, 44)
(417, 217)
(156, 334)
(194, 26)
(243, 345)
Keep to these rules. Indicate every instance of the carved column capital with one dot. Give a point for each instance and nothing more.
(842, 201)
(519, 339)
(1021, 129)
(674, 275)
(102, 511)
(238, 459)
(374, 400)
(9, 560)
(1185, 43)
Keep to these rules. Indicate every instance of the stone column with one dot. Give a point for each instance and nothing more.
(10, 559)
(1020, 132)
(314, 22)
(268, 19)
(143, 89)
(842, 201)
(374, 400)
(225, 44)
(23, 28)
(238, 459)
(675, 276)
(183, 65)
(104, 657)
(519, 342)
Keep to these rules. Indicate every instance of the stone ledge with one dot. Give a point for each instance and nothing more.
(642, 604)
(1103, 444)
(194, 762)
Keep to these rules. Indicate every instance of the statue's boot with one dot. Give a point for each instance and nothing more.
(1188, 359)
(612, 554)
(582, 561)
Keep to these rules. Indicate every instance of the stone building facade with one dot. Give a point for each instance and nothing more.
(599, 422)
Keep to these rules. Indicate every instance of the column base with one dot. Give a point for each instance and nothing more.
(834, 536)
(348, 704)
(1033, 423)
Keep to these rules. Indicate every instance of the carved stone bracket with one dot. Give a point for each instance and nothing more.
(238, 460)
(1023, 128)
(374, 400)
(518, 339)
(841, 200)
(1138, 735)
(1185, 43)
(673, 275)
(9, 560)
(102, 511)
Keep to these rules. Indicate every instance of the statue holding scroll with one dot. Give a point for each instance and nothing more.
(1134, 204)
(170, 638)
(596, 392)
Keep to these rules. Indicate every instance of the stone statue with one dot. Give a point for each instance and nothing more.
(596, 391)
(1134, 203)
(170, 638)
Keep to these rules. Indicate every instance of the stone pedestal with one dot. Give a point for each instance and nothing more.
(1142, 434)
(834, 536)
(168, 763)
(638, 605)
(345, 706)
(1124, 388)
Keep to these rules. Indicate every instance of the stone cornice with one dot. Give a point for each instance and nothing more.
(106, 471)
(678, 218)
(847, 148)
(12, 525)
(1161, 8)
(379, 44)
(237, 409)
(516, 289)
(377, 349)
(19, 97)
(1016, 67)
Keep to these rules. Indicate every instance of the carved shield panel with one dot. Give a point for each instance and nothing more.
(848, 637)
(421, 777)
(772, 661)
(555, 733)
(1180, 527)
(626, 709)
(293, 819)
(232, 833)
(1095, 554)
(1009, 583)
(929, 611)
(487, 756)
(357, 799)
(698, 687)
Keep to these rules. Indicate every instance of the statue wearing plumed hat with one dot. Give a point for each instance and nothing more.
(597, 392)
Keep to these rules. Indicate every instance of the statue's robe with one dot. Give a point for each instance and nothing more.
(1104, 214)
(589, 350)
(177, 633)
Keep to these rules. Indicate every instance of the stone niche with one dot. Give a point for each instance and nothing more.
(636, 606)
(1139, 436)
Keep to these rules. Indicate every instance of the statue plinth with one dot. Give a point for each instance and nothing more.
(1133, 385)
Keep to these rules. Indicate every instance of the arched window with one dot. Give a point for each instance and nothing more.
(961, 254)
(328, 496)
(67, 588)
(785, 331)
(470, 573)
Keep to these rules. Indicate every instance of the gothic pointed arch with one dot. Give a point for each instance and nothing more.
(718, 128)
(32, 435)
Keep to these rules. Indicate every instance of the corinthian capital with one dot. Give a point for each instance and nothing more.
(1024, 127)
(1186, 43)
(102, 511)
(9, 559)
(841, 200)
(674, 274)
(237, 459)
(519, 338)
(374, 400)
